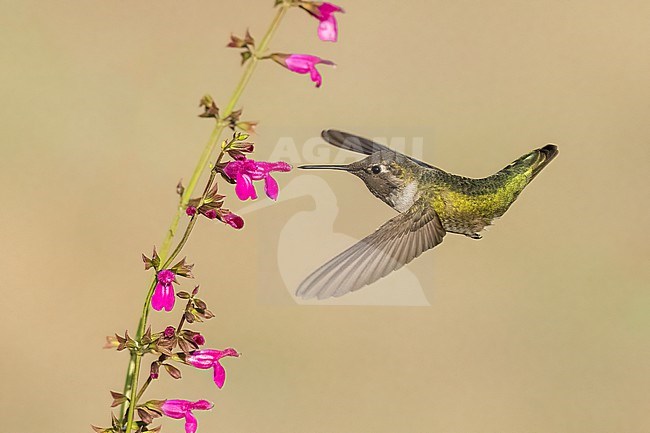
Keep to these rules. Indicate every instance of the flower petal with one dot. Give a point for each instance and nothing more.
(166, 276)
(233, 220)
(300, 63)
(327, 9)
(232, 169)
(190, 423)
(268, 167)
(244, 188)
(202, 405)
(198, 339)
(271, 187)
(157, 300)
(202, 358)
(168, 297)
(219, 374)
(175, 408)
(304, 61)
(315, 76)
(328, 29)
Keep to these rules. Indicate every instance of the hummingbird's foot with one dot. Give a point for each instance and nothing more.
(474, 236)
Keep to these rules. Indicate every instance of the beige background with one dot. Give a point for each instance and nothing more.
(542, 326)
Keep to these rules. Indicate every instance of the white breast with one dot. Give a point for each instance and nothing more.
(405, 198)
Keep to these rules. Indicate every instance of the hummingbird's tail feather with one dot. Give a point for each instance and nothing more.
(544, 156)
(528, 165)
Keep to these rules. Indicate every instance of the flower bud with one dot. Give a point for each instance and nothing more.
(154, 371)
(302, 64)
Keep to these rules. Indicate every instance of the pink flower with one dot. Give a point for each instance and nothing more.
(209, 358)
(163, 295)
(198, 339)
(324, 12)
(154, 372)
(178, 409)
(234, 220)
(169, 332)
(190, 210)
(302, 64)
(210, 214)
(245, 171)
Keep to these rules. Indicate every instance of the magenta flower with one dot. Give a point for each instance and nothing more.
(245, 171)
(234, 220)
(209, 358)
(210, 214)
(163, 295)
(190, 210)
(302, 64)
(169, 332)
(324, 12)
(178, 409)
(198, 339)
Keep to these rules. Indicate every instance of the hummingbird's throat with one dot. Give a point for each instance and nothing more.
(403, 198)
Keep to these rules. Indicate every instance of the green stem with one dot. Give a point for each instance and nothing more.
(132, 398)
(190, 225)
(133, 369)
(134, 363)
(191, 186)
(219, 127)
(144, 388)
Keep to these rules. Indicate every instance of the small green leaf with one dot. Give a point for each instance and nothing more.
(245, 55)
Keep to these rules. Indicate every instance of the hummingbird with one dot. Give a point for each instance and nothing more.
(430, 203)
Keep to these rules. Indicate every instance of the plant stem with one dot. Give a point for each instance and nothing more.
(131, 382)
(143, 389)
(190, 225)
(219, 127)
(180, 324)
(132, 398)
(134, 361)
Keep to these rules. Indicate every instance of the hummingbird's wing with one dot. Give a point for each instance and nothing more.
(390, 247)
(361, 145)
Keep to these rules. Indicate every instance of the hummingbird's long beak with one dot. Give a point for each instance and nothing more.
(325, 167)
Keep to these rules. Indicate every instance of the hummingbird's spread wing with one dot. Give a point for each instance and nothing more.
(358, 144)
(390, 247)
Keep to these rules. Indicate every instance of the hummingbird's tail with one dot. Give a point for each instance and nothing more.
(500, 190)
(524, 169)
(543, 155)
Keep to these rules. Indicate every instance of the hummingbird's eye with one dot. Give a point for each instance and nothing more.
(376, 169)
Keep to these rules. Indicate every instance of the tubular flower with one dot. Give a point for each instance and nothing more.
(324, 12)
(209, 358)
(245, 171)
(163, 295)
(210, 214)
(302, 64)
(234, 220)
(178, 409)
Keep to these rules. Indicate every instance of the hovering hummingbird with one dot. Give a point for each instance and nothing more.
(430, 202)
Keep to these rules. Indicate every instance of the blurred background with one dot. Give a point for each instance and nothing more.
(541, 326)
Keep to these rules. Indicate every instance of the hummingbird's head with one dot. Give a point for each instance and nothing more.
(385, 173)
